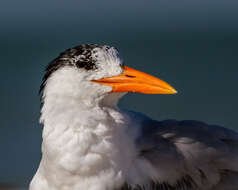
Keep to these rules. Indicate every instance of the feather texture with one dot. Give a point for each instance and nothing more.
(90, 144)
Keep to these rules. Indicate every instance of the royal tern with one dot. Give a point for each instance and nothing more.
(91, 144)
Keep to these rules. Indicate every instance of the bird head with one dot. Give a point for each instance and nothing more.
(94, 71)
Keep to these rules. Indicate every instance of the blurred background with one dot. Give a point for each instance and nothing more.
(192, 44)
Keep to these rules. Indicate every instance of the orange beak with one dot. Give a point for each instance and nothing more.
(136, 81)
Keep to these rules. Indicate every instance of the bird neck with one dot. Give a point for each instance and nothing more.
(83, 142)
(57, 105)
(68, 91)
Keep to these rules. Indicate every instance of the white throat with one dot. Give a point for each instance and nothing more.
(83, 138)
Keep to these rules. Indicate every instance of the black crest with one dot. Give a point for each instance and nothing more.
(79, 56)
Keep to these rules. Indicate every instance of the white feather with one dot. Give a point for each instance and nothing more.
(84, 138)
(89, 144)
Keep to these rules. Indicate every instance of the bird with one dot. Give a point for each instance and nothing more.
(89, 143)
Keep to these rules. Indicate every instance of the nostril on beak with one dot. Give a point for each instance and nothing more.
(130, 76)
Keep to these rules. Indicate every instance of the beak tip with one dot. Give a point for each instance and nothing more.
(174, 91)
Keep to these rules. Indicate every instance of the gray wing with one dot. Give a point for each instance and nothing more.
(190, 154)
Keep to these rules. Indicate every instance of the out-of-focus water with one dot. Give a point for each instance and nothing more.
(190, 44)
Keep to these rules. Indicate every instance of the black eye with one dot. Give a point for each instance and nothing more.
(86, 65)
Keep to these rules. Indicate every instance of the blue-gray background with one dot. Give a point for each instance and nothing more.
(192, 44)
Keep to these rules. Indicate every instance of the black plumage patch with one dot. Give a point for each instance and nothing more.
(185, 183)
(79, 56)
